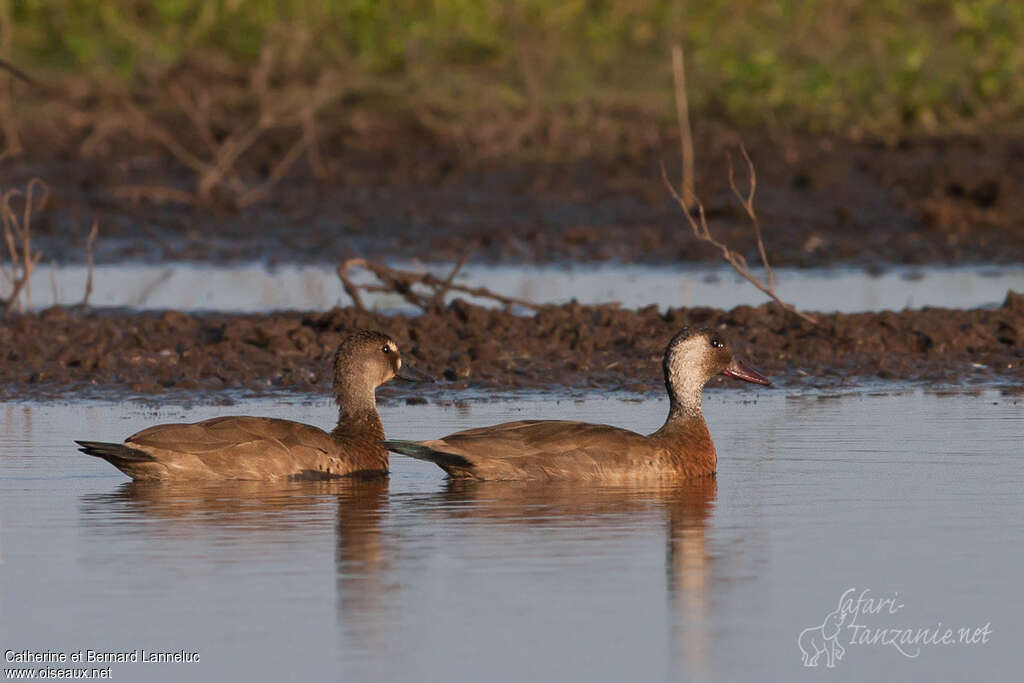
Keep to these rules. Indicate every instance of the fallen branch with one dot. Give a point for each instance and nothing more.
(404, 283)
(441, 291)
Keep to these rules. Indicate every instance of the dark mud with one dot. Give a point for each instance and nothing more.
(102, 353)
(399, 196)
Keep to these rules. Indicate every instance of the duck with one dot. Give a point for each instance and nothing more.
(269, 449)
(561, 450)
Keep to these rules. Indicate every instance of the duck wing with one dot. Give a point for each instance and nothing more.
(217, 434)
(236, 447)
(539, 449)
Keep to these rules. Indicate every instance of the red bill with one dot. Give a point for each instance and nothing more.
(747, 374)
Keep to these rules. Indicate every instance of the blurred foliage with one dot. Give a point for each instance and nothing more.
(832, 65)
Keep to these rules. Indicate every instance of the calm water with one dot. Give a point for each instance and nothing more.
(912, 496)
(255, 287)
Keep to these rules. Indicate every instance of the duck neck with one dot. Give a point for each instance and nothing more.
(685, 395)
(685, 434)
(357, 414)
(684, 411)
(683, 415)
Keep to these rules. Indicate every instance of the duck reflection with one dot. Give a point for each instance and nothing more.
(686, 502)
(687, 507)
(264, 516)
(371, 527)
(688, 566)
(187, 508)
(365, 556)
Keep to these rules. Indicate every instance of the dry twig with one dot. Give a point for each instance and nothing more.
(88, 280)
(441, 291)
(8, 125)
(495, 132)
(219, 132)
(18, 238)
(404, 283)
(699, 225)
(689, 190)
(688, 199)
(212, 140)
(748, 205)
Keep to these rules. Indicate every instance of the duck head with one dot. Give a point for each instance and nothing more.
(692, 358)
(364, 361)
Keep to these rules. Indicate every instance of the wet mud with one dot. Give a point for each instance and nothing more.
(821, 201)
(67, 353)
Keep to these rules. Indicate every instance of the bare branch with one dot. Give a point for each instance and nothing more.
(348, 286)
(89, 246)
(15, 71)
(236, 144)
(404, 282)
(30, 260)
(213, 154)
(687, 198)
(8, 123)
(53, 281)
(701, 231)
(683, 114)
(280, 169)
(194, 112)
(18, 238)
(748, 204)
(439, 295)
(312, 138)
(148, 129)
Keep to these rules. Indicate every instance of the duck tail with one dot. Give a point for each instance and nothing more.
(414, 449)
(117, 454)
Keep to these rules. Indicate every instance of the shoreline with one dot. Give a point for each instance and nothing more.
(479, 350)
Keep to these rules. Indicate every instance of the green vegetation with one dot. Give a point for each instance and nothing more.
(830, 65)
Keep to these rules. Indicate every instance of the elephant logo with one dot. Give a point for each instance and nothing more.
(823, 639)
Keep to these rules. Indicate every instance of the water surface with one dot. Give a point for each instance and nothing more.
(256, 288)
(910, 494)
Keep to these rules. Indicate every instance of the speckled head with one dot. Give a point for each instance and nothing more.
(692, 358)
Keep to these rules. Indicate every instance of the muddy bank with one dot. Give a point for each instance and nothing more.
(399, 195)
(64, 353)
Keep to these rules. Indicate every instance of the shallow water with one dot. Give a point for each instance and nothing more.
(418, 578)
(255, 287)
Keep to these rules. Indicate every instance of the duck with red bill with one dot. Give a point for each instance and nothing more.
(550, 450)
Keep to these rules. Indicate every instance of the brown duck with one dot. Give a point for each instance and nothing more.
(266, 448)
(563, 450)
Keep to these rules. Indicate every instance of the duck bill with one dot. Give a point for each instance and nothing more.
(411, 374)
(747, 374)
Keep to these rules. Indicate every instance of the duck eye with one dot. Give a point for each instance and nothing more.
(386, 348)
(717, 343)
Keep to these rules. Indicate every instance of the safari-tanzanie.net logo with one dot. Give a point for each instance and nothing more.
(863, 620)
